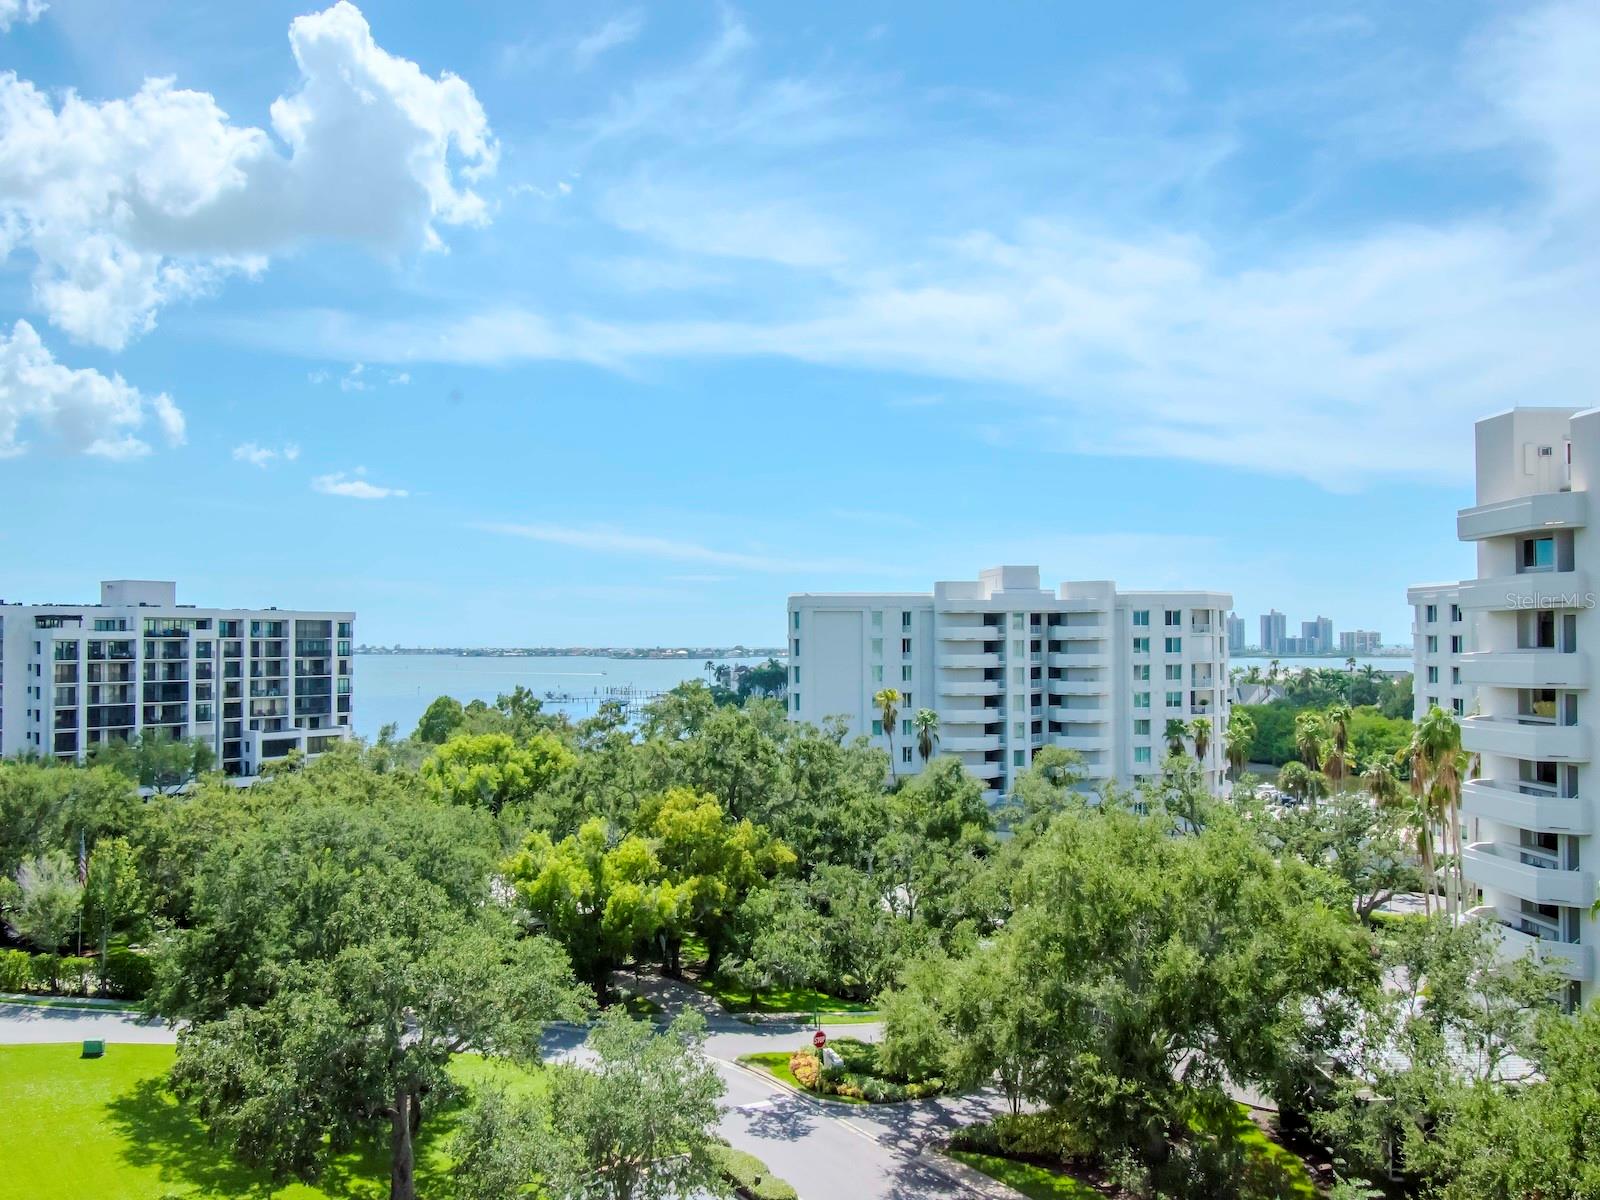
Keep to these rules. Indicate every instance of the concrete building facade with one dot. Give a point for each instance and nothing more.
(1528, 664)
(1010, 667)
(1274, 627)
(254, 684)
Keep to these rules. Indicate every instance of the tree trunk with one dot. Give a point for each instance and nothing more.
(402, 1184)
(713, 956)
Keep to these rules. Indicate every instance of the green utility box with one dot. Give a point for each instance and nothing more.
(93, 1048)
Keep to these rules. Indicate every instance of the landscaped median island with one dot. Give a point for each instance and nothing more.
(750, 1177)
(855, 1077)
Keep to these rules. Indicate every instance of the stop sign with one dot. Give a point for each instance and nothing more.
(819, 1039)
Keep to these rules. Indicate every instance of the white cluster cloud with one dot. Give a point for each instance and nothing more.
(358, 379)
(264, 456)
(85, 411)
(128, 205)
(354, 486)
(20, 12)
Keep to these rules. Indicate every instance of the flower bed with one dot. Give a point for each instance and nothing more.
(859, 1077)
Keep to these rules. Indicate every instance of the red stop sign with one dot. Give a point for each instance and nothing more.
(819, 1039)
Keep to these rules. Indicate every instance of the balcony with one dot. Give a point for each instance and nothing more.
(981, 687)
(1535, 589)
(1081, 741)
(976, 744)
(1497, 866)
(1570, 960)
(1524, 514)
(1079, 687)
(1526, 805)
(1079, 658)
(1525, 669)
(968, 661)
(1078, 716)
(966, 633)
(1525, 739)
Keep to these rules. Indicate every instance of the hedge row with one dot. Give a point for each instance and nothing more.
(806, 1066)
(749, 1175)
(128, 974)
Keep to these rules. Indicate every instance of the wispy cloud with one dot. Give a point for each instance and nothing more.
(618, 31)
(264, 456)
(604, 540)
(354, 486)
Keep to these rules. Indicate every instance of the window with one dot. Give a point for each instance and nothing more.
(905, 727)
(1016, 621)
(1175, 645)
(796, 679)
(1019, 729)
(1433, 702)
(905, 620)
(1019, 647)
(1459, 706)
(905, 754)
(877, 727)
(1174, 617)
(1455, 675)
(1539, 554)
(877, 674)
(905, 674)
(877, 647)
(877, 618)
(1455, 643)
(1455, 614)
(1141, 645)
(1174, 672)
(1433, 674)
(1141, 616)
(797, 620)
(1141, 699)
(1141, 727)
(1019, 758)
(1430, 613)
(1174, 699)
(905, 645)
(1141, 671)
(1433, 643)
(797, 647)
(1141, 754)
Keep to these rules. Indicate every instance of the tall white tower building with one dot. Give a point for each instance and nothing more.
(254, 684)
(1010, 667)
(1527, 664)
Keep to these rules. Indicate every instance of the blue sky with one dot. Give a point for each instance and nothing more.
(545, 323)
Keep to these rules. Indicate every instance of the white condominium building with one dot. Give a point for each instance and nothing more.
(1533, 814)
(1440, 635)
(1010, 667)
(254, 684)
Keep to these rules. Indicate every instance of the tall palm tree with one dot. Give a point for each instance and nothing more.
(888, 702)
(1440, 735)
(926, 723)
(1350, 664)
(1309, 731)
(1382, 784)
(1200, 733)
(1253, 675)
(1272, 671)
(1175, 732)
(1237, 739)
(1417, 757)
(1338, 758)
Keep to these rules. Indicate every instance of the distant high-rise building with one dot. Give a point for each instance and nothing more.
(1235, 633)
(1273, 627)
(1316, 637)
(1360, 641)
(254, 684)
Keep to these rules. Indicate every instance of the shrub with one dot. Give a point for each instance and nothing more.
(749, 1175)
(1044, 1137)
(16, 970)
(807, 1069)
(46, 970)
(128, 974)
(72, 977)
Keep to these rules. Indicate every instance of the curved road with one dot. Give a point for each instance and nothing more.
(825, 1148)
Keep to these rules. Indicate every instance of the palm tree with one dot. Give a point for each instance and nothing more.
(1175, 732)
(1338, 758)
(926, 723)
(1309, 730)
(1382, 785)
(1200, 732)
(1293, 779)
(1350, 664)
(1253, 675)
(1417, 757)
(1272, 671)
(1237, 739)
(1441, 742)
(888, 702)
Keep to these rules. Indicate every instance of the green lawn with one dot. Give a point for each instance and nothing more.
(1032, 1181)
(782, 1000)
(1275, 1171)
(108, 1128)
(69, 1002)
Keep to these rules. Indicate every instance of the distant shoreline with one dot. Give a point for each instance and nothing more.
(1334, 656)
(687, 653)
